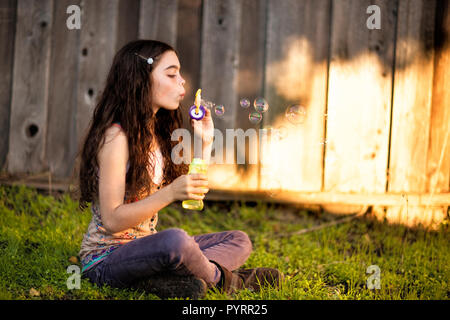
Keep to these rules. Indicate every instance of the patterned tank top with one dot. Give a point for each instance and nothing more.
(98, 243)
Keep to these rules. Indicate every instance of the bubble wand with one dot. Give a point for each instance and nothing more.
(198, 165)
(197, 111)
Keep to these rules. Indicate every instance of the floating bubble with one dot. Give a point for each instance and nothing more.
(255, 117)
(296, 114)
(219, 110)
(207, 104)
(245, 103)
(261, 105)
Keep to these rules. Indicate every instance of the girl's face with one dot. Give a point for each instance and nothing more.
(168, 84)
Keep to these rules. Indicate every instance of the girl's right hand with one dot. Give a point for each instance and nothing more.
(189, 187)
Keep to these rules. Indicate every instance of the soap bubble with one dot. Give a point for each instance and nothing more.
(207, 104)
(219, 110)
(260, 105)
(245, 103)
(255, 117)
(296, 114)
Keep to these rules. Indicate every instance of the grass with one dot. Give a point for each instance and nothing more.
(40, 233)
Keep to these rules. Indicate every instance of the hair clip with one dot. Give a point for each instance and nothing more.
(149, 60)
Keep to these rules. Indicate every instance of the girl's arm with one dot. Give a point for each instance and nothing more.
(206, 151)
(129, 215)
(117, 216)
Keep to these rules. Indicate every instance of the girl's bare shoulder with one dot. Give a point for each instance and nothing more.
(115, 133)
(116, 142)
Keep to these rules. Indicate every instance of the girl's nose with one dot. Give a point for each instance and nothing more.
(182, 81)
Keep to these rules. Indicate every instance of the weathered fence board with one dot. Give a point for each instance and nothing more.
(438, 166)
(62, 100)
(126, 31)
(438, 163)
(30, 86)
(411, 114)
(189, 26)
(97, 43)
(296, 74)
(7, 32)
(250, 86)
(360, 86)
(158, 20)
(218, 76)
(220, 56)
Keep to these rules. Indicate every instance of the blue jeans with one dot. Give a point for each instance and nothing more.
(174, 251)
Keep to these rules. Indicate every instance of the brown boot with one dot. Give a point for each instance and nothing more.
(252, 279)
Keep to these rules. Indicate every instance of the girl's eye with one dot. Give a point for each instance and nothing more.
(172, 76)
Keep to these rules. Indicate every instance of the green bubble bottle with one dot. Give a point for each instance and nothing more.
(197, 165)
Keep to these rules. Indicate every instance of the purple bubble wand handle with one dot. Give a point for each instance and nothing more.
(197, 111)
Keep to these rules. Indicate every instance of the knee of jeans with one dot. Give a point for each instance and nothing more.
(243, 240)
(178, 242)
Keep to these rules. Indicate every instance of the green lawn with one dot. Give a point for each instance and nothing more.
(39, 234)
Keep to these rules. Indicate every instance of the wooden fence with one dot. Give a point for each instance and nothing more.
(376, 128)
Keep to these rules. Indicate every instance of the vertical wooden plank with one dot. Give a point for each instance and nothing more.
(359, 98)
(438, 161)
(439, 147)
(158, 20)
(30, 86)
(127, 28)
(220, 56)
(250, 85)
(189, 27)
(7, 34)
(296, 74)
(62, 101)
(218, 76)
(411, 114)
(97, 45)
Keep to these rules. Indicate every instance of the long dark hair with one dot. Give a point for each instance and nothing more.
(127, 99)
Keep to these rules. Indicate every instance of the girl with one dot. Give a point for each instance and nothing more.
(126, 173)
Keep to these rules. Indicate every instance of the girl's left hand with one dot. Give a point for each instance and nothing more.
(204, 128)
